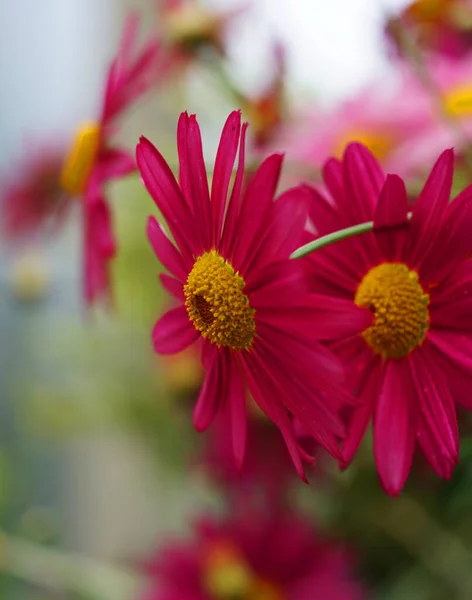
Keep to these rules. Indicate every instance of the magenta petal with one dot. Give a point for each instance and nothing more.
(237, 408)
(394, 433)
(255, 209)
(390, 218)
(173, 286)
(429, 208)
(163, 188)
(165, 250)
(231, 218)
(365, 179)
(437, 410)
(455, 346)
(267, 399)
(115, 163)
(173, 332)
(369, 392)
(210, 396)
(224, 162)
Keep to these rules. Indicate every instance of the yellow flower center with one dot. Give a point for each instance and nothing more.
(379, 143)
(394, 294)
(80, 159)
(216, 303)
(227, 576)
(457, 102)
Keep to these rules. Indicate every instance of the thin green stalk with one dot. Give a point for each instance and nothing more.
(336, 236)
(56, 570)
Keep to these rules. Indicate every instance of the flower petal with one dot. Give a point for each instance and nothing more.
(173, 332)
(390, 218)
(429, 208)
(165, 250)
(212, 394)
(173, 286)
(237, 409)
(225, 157)
(394, 433)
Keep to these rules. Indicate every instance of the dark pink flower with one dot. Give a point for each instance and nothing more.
(263, 555)
(240, 294)
(44, 187)
(415, 359)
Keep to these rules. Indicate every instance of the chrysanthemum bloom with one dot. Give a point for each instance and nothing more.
(444, 26)
(253, 556)
(50, 181)
(240, 294)
(391, 120)
(415, 359)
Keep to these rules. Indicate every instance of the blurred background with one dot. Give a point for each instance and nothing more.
(99, 462)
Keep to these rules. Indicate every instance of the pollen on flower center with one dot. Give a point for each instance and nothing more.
(227, 576)
(80, 158)
(216, 303)
(400, 306)
(458, 101)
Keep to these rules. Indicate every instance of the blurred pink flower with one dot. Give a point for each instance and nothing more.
(443, 26)
(262, 555)
(49, 178)
(389, 120)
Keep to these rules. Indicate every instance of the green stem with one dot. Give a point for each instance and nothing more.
(336, 236)
(57, 570)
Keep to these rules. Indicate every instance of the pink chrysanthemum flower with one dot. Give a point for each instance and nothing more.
(51, 179)
(415, 359)
(239, 293)
(253, 555)
(443, 26)
(390, 120)
(94, 159)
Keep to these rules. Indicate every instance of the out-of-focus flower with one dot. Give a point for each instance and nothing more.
(415, 359)
(266, 111)
(52, 177)
(187, 27)
(444, 26)
(236, 286)
(390, 121)
(263, 555)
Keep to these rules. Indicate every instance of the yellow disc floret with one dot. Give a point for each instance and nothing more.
(216, 303)
(80, 159)
(394, 294)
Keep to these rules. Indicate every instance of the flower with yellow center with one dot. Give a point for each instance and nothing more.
(80, 159)
(400, 306)
(379, 143)
(227, 576)
(216, 303)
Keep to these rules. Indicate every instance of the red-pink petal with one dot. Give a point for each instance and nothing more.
(173, 286)
(394, 429)
(213, 392)
(173, 332)
(165, 250)
(390, 218)
(429, 208)
(437, 411)
(163, 188)
(237, 408)
(225, 157)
